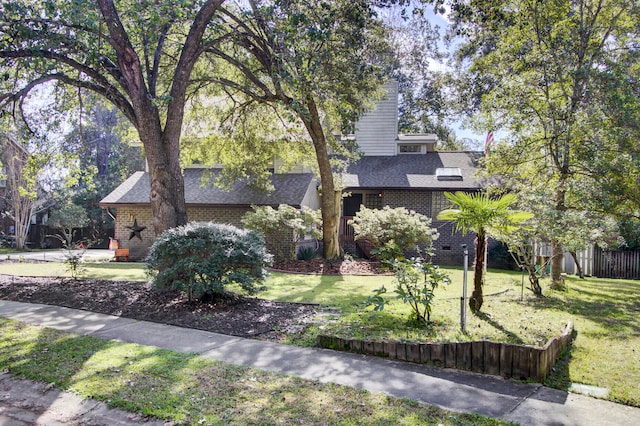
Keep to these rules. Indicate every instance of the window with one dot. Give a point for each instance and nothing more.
(449, 173)
(373, 201)
(410, 149)
(438, 203)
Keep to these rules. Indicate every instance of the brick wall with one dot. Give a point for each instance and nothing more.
(138, 249)
(412, 200)
(448, 246)
(125, 217)
(448, 250)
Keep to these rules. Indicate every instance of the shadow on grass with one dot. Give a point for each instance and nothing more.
(188, 389)
(324, 289)
(512, 337)
(615, 305)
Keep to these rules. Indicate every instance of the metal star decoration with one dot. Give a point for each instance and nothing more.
(136, 230)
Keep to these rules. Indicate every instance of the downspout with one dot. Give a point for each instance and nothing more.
(109, 213)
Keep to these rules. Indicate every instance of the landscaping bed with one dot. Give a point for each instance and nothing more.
(230, 314)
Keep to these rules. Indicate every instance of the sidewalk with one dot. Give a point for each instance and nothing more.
(524, 403)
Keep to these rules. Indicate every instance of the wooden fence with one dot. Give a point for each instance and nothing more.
(498, 359)
(616, 264)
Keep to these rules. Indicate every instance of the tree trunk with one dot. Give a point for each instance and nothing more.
(162, 147)
(534, 281)
(557, 252)
(578, 265)
(22, 212)
(14, 161)
(476, 300)
(330, 196)
(165, 178)
(557, 255)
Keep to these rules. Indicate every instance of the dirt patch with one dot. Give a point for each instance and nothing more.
(229, 314)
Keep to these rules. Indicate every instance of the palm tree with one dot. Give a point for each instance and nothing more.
(476, 212)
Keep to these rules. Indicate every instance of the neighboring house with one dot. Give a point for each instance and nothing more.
(395, 170)
(204, 203)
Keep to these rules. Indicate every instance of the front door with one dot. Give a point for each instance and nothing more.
(352, 205)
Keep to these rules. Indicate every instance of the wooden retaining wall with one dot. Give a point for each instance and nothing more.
(498, 359)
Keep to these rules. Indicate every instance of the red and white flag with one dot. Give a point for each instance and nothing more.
(488, 142)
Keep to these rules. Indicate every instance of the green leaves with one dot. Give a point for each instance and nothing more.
(284, 224)
(416, 282)
(477, 212)
(406, 229)
(202, 258)
(376, 300)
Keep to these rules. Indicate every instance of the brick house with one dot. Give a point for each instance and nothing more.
(129, 204)
(406, 171)
(395, 170)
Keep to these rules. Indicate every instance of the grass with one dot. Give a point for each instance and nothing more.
(188, 389)
(109, 271)
(605, 313)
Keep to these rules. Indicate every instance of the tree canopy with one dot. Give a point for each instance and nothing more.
(318, 64)
(554, 77)
(141, 61)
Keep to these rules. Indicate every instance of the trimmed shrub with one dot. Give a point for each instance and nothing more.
(200, 259)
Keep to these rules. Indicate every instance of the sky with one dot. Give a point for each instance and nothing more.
(474, 139)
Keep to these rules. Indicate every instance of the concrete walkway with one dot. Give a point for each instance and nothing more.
(524, 403)
(90, 255)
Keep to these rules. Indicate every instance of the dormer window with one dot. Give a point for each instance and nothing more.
(409, 149)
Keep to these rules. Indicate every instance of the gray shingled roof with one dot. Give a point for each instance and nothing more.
(412, 171)
(289, 189)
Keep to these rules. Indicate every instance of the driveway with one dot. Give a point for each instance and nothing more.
(91, 255)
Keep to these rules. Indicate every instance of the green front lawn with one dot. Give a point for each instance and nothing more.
(188, 389)
(605, 313)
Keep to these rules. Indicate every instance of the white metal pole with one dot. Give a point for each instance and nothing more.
(463, 301)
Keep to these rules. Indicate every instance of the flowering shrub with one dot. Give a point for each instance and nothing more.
(276, 223)
(394, 231)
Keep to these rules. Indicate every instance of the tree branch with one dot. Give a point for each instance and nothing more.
(188, 57)
(113, 96)
(36, 53)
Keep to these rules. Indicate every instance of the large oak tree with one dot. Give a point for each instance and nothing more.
(320, 62)
(139, 56)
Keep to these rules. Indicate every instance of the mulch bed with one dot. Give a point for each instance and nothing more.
(229, 314)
